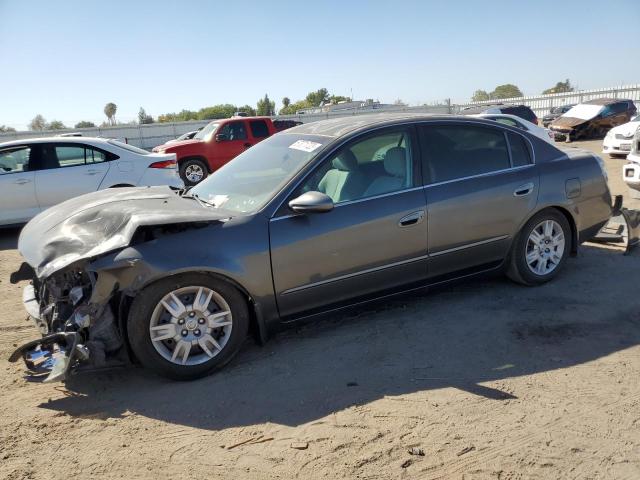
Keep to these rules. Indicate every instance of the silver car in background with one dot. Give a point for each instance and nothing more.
(322, 216)
(36, 173)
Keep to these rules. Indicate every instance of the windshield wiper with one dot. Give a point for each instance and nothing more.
(201, 201)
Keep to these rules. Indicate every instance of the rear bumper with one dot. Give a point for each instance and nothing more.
(161, 176)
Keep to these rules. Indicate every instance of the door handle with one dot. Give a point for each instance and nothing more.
(412, 219)
(22, 181)
(92, 172)
(523, 190)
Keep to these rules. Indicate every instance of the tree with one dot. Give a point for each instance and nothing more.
(265, 106)
(110, 111)
(84, 124)
(295, 107)
(143, 118)
(480, 96)
(4, 128)
(286, 102)
(333, 99)
(248, 109)
(38, 123)
(56, 125)
(399, 103)
(560, 87)
(507, 90)
(217, 111)
(318, 97)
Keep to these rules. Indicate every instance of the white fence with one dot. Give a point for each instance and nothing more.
(148, 136)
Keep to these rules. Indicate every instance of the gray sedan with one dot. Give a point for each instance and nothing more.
(319, 217)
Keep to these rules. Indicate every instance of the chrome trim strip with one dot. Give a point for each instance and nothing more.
(496, 172)
(469, 245)
(355, 274)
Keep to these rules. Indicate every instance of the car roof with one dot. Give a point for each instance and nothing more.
(606, 101)
(56, 139)
(337, 127)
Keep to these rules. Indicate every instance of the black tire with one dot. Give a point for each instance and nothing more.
(193, 163)
(518, 269)
(142, 310)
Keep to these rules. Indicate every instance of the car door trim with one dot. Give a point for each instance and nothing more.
(468, 245)
(354, 274)
(487, 174)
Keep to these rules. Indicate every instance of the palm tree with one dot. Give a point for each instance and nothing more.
(110, 111)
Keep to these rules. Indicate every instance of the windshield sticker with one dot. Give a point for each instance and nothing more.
(305, 145)
(218, 200)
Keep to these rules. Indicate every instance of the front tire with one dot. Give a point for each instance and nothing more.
(188, 326)
(193, 171)
(540, 249)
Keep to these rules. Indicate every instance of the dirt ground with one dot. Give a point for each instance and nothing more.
(489, 379)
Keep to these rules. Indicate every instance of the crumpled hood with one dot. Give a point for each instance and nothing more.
(627, 129)
(567, 122)
(102, 221)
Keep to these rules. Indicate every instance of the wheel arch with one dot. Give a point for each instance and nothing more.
(195, 157)
(568, 216)
(257, 328)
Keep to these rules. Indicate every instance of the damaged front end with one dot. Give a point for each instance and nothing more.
(76, 321)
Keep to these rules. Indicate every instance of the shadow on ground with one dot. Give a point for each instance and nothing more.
(459, 336)
(9, 238)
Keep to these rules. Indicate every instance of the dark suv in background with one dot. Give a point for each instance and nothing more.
(521, 111)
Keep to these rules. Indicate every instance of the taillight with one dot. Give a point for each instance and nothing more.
(163, 164)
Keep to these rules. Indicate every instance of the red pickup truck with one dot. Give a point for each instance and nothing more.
(219, 142)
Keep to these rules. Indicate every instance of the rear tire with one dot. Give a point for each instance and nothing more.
(193, 171)
(540, 249)
(187, 326)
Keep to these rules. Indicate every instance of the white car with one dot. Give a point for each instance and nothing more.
(619, 139)
(517, 122)
(38, 173)
(631, 171)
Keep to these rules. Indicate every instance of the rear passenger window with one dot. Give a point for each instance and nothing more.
(458, 151)
(519, 150)
(259, 129)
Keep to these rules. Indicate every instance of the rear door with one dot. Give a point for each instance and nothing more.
(18, 202)
(68, 170)
(231, 140)
(259, 130)
(481, 184)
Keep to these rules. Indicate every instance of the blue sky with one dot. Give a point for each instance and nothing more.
(66, 59)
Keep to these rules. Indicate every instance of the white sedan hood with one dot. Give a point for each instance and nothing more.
(626, 129)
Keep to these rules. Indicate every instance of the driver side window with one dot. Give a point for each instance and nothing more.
(234, 131)
(376, 165)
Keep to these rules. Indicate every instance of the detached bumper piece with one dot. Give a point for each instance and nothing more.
(624, 226)
(49, 359)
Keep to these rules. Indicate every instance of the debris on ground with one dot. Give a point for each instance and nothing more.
(300, 445)
(465, 450)
(416, 451)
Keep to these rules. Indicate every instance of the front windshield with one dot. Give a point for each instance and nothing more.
(206, 131)
(250, 180)
(584, 111)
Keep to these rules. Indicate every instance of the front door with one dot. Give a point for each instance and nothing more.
(374, 239)
(18, 202)
(67, 171)
(231, 140)
(481, 186)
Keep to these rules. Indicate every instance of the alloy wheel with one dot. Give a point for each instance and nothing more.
(190, 325)
(545, 247)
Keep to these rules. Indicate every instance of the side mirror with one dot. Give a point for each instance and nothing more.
(221, 137)
(311, 202)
